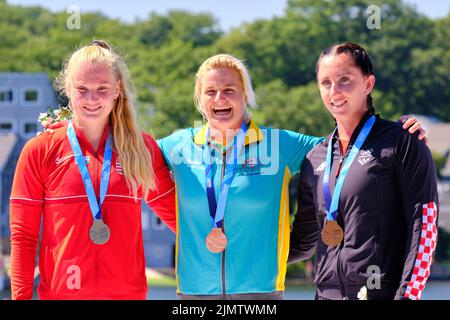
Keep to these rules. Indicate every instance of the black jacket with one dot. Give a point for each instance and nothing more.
(387, 209)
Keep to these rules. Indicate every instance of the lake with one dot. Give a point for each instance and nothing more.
(435, 290)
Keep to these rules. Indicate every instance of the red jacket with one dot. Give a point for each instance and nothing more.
(48, 185)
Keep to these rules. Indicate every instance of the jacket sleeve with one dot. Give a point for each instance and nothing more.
(26, 204)
(162, 199)
(305, 229)
(295, 148)
(416, 176)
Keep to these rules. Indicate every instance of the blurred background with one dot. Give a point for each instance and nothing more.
(164, 43)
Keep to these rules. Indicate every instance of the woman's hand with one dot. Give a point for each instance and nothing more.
(50, 127)
(413, 125)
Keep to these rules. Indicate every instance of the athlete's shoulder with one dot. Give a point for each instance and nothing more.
(187, 133)
(393, 131)
(388, 124)
(47, 139)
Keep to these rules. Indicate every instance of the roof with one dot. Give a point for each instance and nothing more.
(23, 75)
(8, 142)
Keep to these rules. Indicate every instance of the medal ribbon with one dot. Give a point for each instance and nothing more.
(87, 182)
(217, 209)
(332, 203)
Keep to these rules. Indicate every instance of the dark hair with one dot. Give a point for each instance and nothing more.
(360, 58)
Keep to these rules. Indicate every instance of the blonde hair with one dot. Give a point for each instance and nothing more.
(128, 141)
(230, 62)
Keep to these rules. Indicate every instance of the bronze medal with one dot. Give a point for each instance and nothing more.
(216, 241)
(99, 232)
(332, 234)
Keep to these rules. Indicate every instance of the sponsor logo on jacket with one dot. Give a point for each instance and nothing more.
(60, 160)
(365, 156)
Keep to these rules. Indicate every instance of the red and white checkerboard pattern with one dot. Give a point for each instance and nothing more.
(422, 266)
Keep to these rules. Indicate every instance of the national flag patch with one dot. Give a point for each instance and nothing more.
(119, 168)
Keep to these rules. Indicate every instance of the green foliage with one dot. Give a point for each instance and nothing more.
(443, 246)
(296, 270)
(292, 108)
(439, 161)
(411, 55)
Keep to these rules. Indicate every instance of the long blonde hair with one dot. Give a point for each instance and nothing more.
(128, 141)
(225, 61)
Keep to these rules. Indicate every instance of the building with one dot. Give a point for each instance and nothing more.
(159, 241)
(23, 96)
(439, 142)
(438, 139)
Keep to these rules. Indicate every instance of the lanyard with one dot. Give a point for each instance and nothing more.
(332, 203)
(81, 162)
(217, 209)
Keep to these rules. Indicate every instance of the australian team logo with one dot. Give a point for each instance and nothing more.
(365, 156)
(251, 162)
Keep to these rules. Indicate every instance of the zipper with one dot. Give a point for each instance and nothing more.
(97, 259)
(224, 291)
(338, 262)
(341, 160)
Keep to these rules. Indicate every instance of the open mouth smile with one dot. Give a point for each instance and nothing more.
(221, 111)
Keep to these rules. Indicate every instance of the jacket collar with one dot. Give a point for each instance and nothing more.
(82, 139)
(355, 133)
(253, 134)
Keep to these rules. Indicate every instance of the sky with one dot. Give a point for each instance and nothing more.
(230, 13)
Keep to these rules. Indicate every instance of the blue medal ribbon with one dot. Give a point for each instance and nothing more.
(87, 182)
(217, 209)
(333, 202)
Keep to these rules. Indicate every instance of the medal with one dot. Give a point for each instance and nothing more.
(332, 234)
(99, 232)
(216, 241)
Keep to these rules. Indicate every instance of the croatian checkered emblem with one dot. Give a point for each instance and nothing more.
(365, 156)
(119, 168)
(427, 245)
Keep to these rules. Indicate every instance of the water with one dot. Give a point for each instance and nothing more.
(435, 290)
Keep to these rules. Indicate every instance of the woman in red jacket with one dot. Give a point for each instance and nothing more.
(85, 181)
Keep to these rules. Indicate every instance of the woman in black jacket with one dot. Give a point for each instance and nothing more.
(368, 194)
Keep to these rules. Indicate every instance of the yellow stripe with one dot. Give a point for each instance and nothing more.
(283, 232)
(200, 136)
(254, 134)
(177, 235)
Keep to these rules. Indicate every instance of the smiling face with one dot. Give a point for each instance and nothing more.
(343, 87)
(92, 92)
(223, 99)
